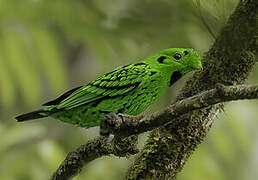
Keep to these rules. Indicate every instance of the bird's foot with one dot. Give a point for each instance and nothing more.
(122, 146)
(111, 120)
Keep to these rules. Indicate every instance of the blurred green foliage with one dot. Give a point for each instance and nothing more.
(49, 46)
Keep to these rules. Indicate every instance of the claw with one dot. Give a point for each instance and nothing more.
(111, 120)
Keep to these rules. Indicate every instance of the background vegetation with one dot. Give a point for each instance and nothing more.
(50, 46)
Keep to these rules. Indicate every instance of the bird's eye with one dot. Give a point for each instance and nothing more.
(177, 56)
(161, 59)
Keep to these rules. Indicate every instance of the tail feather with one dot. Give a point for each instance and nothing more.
(33, 115)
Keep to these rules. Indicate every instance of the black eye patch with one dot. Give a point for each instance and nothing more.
(161, 59)
(174, 77)
(186, 52)
(177, 56)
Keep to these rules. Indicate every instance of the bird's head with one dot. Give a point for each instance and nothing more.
(182, 60)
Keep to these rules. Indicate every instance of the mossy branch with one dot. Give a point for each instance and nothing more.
(124, 125)
(96, 148)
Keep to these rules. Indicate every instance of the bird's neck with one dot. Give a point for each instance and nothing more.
(175, 76)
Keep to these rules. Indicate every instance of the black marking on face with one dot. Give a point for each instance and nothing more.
(174, 77)
(177, 56)
(186, 52)
(152, 73)
(161, 59)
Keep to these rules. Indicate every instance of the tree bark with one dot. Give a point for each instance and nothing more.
(228, 62)
(96, 148)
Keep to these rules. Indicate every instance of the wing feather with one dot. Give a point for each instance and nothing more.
(120, 81)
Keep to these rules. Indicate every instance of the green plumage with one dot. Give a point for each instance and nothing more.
(129, 89)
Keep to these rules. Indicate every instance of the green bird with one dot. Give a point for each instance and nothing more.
(129, 89)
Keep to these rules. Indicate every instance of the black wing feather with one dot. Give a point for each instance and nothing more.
(61, 98)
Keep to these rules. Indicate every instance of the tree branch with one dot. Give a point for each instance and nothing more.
(124, 125)
(228, 62)
(75, 160)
